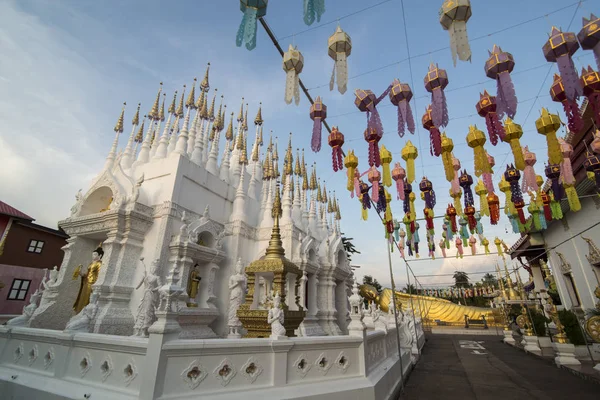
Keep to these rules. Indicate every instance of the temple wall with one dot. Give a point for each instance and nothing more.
(574, 251)
(46, 364)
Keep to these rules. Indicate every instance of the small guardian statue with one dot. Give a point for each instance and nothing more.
(275, 318)
(28, 310)
(192, 286)
(237, 292)
(146, 314)
(82, 322)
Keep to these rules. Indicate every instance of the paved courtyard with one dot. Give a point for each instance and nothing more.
(482, 367)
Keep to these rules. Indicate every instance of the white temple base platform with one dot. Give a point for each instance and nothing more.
(531, 345)
(508, 337)
(565, 354)
(45, 364)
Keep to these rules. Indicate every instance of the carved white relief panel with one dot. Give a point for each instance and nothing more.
(224, 372)
(106, 368)
(323, 363)
(194, 374)
(302, 365)
(129, 372)
(251, 369)
(342, 362)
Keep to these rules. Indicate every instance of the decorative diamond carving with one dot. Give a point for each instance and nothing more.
(323, 363)
(593, 255)
(106, 367)
(194, 374)
(49, 357)
(565, 267)
(225, 372)
(33, 354)
(130, 372)
(251, 369)
(302, 366)
(342, 362)
(85, 364)
(19, 352)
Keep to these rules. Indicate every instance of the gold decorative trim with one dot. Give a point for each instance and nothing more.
(593, 255)
(565, 267)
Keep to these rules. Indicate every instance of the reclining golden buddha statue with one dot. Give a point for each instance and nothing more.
(431, 308)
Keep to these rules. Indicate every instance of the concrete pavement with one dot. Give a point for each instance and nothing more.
(484, 368)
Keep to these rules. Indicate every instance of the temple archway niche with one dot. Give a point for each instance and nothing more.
(312, 256)
(97, 201)
(206, 239)
(341, 259)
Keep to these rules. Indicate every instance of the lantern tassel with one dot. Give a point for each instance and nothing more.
(481, 161)
(410, 170)
(290, 83)
(484, 208)
(375, 191)
(337, 158)
(315, 142)
(341, 69)
(435, 138)
(572, 198)
(517, 151)
(566, 170)
(506, 97)
(408, 117)
(459, 248)
(569, 76)
(439, 108)
(529, 182)
(247, 30)
(459, 41)
(401, 130)
(448, 168)
(313, 9)
(554, 153)
(491, 128)
(573, 115)
(488, 182)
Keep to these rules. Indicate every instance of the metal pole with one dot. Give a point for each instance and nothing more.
(396, 317)
(412, 305)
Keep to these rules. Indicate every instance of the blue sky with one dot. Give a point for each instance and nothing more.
(66, 67)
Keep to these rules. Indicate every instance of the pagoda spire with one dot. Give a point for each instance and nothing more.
(156, 132)
(144, 154)
(129, 153)
(182, 139)
(213, 155)
(190, 103)
(204, 85)
(110, 159)
(139, 138)
(210, 117)
(161, 151)
(239, 212)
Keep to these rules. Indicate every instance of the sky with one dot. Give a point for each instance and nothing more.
(67, 66)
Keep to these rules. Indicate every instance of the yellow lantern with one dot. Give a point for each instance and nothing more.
(386, 159)
(447, 147)
(476, 140)
(350, 162)
(548, 124)
(481, 191)
(409, 154)
(513, 134)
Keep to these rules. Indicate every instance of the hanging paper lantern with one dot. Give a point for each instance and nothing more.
(447, 147)
(481, 191)
(546, 206)
(340, 47)
(465, 180)
(364, 195)
(529, 178)
(552, 172)
(401, 242)
(293, 63)
(558, 94)
(589, 36)
(504, 187)
(436, 81)
(566, 169)
(400, 96)
(428, 194)
(336, 140)
(386, 159)
(572, 197)
(486, 243)
(435, 139)
(442, 245)
(476, 140)
(513, 134)
(367, 102)
(252, 9)
(472, 243)
(512, 176)
(590, 81)
(374, 176)
(381, 204)
(409, 154)
(547, 124)
(350, 162)
(499, 66)
(451, 215)
(486, 107)
(494, 206)
(318, 113)
(559, 48)
(454, 15)
(313, 9)
(407, 192)
(415, 239)
(498, 244)
(592, 164)
(488, 176)
(459, 248)
(470, 214)
(398, 174)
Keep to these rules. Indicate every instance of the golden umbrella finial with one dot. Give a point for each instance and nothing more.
(219, 123)
(255, 156)
(313, 178)
(211, 111)
(275, 153)
(161, 112)
(245, 123)
(229, 133)
(179, 111)
(190, 101)
(119, 126)
(244, 152)
(319, 193)
(266, 164)
(171, 109)
(260, 136)
(305, 185)
(258, 120)
(140, 134)
(204, 109)
(240, 116)
(136, 118)
(325, 199)
(275, 249)
(239, 141)
(200, 102)
(204, 84)
(297, 167)
(153, 114)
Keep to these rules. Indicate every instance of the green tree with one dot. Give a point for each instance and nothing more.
(410, 289)
(489, 280)
(349, 247)
(461, 279)
(369, 280)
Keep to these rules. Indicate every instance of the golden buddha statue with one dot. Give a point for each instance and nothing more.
(107, 206)
(432, 308)
(192, 286)
(88, 278)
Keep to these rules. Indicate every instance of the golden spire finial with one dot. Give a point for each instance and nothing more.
(325, 199)
(204, 109)
(179, 111)
(239, 140)
(161, 112)
(190, 101)
(245, 123)
(229, 133)
(297, 167)
(222, 125)
(275, 153)
(240, 116)
(305, 184)
(244, 151)
(313, 178)
(136, 117)
(260, 136)
(119, 126)
(219, 123)
(153, 114)
(266, 164)
(319, 193)
(140, 135)
(275, 249)
(204, 84)
(211, 111)
(330, 208)
(200, 102)
(258, 120)
(270, 146)
(171, 109)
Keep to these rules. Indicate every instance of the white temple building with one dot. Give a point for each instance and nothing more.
(177, 219)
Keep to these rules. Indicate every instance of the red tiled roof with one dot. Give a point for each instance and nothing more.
(13, 212)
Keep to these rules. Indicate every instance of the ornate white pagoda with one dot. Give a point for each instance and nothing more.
(198, 214)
